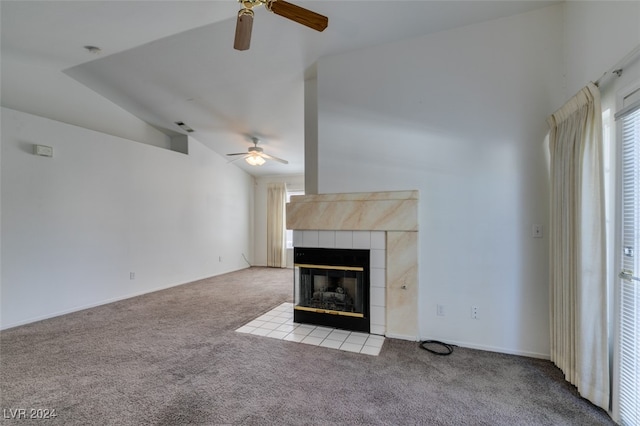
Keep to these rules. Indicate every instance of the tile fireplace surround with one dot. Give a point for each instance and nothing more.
(385, 223)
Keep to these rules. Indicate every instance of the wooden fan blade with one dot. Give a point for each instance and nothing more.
(237, 153)
(298, 14)
(271, 157)
(244, 24)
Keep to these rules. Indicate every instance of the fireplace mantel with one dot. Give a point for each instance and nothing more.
(395, 213)
(362, 211)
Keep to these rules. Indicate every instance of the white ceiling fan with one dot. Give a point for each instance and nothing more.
(255, 155)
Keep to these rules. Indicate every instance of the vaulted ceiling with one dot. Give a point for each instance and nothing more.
(168, 61)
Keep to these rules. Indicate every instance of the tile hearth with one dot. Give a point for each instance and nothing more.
(278, 324)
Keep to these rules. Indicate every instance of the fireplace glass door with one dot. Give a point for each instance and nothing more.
(334, 291)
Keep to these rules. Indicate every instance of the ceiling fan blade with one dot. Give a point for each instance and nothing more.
(239, 158)
(298, 14)
(271, 157)
(244, 24)
(237, 153)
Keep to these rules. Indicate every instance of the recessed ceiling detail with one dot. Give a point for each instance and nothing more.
(173, 60)
(184, 127)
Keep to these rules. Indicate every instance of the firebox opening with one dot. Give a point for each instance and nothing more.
(332, 288)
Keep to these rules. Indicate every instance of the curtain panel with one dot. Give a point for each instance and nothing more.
(276, 200)
(578, 290)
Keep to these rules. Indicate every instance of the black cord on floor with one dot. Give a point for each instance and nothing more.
(448, 349)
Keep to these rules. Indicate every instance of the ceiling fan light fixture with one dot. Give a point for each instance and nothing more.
(255, 160)
(255, 155)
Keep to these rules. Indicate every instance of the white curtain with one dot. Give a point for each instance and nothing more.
(276, 200)
(578, 290)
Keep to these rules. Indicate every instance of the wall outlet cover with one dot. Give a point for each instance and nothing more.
(536, 231)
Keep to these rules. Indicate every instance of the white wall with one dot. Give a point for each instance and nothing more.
(34, 85)
(311, 135)
(74, 226)
(474, 103)
(294, 183)
(597, 35)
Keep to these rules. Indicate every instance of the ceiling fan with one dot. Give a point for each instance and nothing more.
(255, 155)
(279, 7)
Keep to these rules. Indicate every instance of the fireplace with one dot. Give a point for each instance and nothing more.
(331, 287)
(385, 223)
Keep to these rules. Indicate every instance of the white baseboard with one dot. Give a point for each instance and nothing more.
(102, 302)
(496, 349)
(401, 337)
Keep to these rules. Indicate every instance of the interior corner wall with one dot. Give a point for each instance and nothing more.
(294, 183)
(311, 136)
(598, 34)
(32, 85)
(461, 116)
(75, 227)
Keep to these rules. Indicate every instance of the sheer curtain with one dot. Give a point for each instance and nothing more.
(578, 290)
(276, 199)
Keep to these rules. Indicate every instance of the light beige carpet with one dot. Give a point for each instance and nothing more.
(173, 358)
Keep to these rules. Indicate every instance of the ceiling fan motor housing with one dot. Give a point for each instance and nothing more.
(249, 4)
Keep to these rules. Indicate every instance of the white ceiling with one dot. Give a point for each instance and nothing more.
(167, 61)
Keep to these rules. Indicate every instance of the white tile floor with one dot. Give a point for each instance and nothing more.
(278, 324)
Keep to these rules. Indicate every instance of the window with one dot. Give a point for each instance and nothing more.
(289, 232)
(627, 402)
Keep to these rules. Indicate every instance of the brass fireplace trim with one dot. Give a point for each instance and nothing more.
(338, 268)
(328, 311)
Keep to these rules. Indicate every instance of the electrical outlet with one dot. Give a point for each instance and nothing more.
(440, 310)
(536, 231)
(474, 312)
(132, 275)
(219, 258)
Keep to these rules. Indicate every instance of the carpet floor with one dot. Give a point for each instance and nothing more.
(173, 358)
